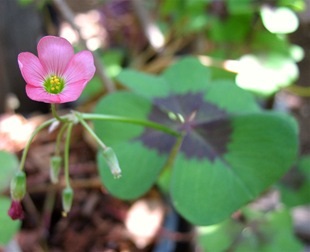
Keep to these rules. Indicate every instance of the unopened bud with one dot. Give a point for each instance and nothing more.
(55, 165)
(18, 186)
(67, 199)
(16, 210)
(111, 159)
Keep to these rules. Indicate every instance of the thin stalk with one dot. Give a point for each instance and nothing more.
(66, 154)
(58, 139)
(174, 152)
(54, 112)
(35, 132)
(90, 131)
(145, 123)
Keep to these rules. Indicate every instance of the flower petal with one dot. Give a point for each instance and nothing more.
(39, 94)
(55, 53)
(73, 91)
(81, 68)
(67, 95)
(31, 69)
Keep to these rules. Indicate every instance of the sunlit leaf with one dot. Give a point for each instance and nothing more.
(297, 53)
(297, 5)
(279, 20)
(265, 74)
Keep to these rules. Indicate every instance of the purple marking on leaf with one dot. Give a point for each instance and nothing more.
(207, 128)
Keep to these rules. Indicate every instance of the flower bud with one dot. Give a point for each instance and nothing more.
(18, 186)
(16, 210)
(55, 165)
(67, 199)
(112, 162)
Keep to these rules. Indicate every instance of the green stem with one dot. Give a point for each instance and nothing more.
(54, 112)
(174, 152)
(66, 153)
(165, 175)
(145, 123)
(90, 131)
(35, 132)
(58, 139)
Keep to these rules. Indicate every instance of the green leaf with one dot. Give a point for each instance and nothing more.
(140, 170)
(234, 29)
(273, 233)
(295, 186)
(146, 85)
(188, 75)
(9, 165)
(240, 6)
(265, 41)
(255, 159)
(231, 150)
(219, 237)
(8, 227)
(140, 167)
(296, 5)
(125, 104)
(236, 100)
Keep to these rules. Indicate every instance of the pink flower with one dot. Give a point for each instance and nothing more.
(57, 75)
(16, 210)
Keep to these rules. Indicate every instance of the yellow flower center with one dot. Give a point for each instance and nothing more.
(54, 84)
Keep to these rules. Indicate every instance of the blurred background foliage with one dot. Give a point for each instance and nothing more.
(248, 39)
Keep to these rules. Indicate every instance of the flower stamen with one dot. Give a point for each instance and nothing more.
(54, 84)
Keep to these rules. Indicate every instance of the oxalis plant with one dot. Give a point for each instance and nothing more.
(205, 143)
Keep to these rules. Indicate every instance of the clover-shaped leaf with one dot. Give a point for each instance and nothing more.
(230, 152)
